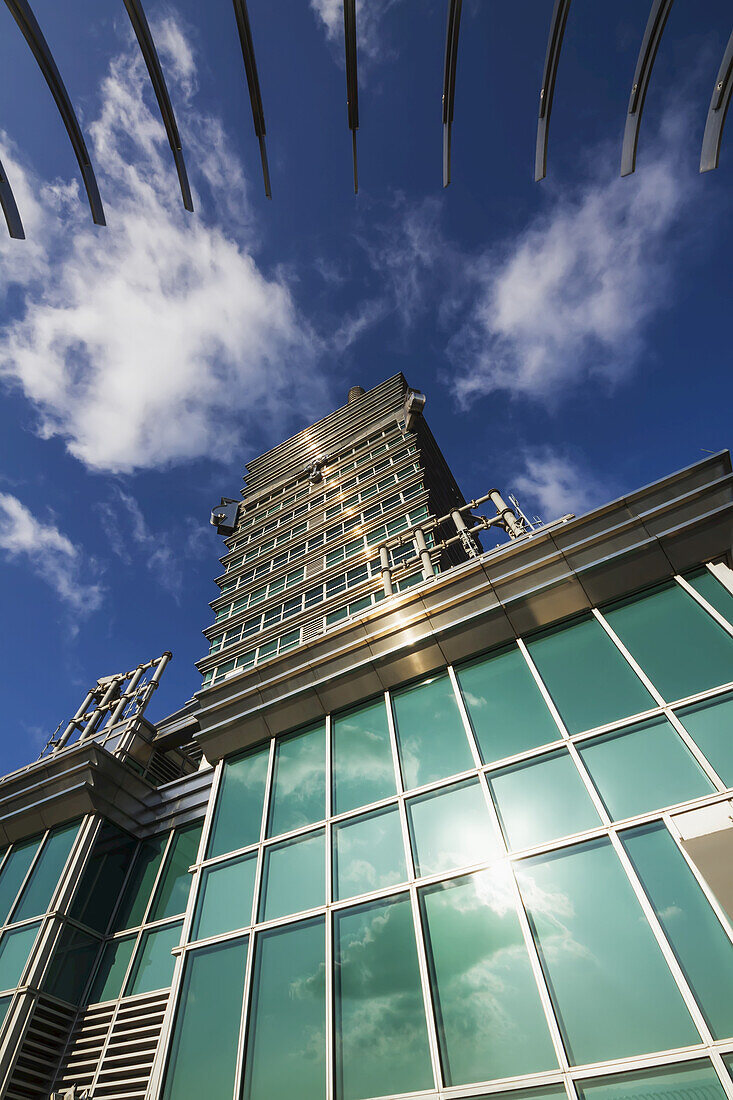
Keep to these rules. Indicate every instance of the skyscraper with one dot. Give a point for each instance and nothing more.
(450, 816)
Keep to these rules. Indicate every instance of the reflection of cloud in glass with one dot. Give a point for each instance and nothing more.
(491, 1021)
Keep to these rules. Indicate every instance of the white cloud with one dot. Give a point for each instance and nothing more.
(569, 298)
(158, 339)
(49, 553)
(553, 484)
(369, 16)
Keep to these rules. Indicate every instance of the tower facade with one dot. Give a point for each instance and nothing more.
(451, 815)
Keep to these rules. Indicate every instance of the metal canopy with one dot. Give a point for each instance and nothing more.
(650, 44)
(150, 55)
(253, 83)
(26, 20)
(449, 80)
(719, 105)
(547, 92)
(10, 209)
(352, 80)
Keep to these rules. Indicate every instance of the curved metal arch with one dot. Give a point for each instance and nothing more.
(452, 30)
(26, 20)
(352, 80)
(10, 209)
(150, 55)
(253, 83)
(644, 63)
(719, 104)
(547, 92)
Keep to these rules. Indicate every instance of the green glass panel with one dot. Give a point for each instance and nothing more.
(368, 853)
(728, 1059)
(103, 877)
(711, 589)
(203, 1055)
(679, 646)
(238, 817)
(704, 951)
(430, 735)
(171, 896)
(711, 726)
(590, 682)
(225, 903)
(613, 993)
(286, 1044)
(41, 886)
(644, 768)
(688, 1081)
(549, 1092)
(14, 870)
(506, 708)
(362, 765)
(140, 883)
(451, 828)
(381, 1035)
(299, 781)
(153, 966)
(72, 965)
(293, 876)
(542, 801)
(107, 984)
(4, 1006)
(15, 947)
(490, 1018)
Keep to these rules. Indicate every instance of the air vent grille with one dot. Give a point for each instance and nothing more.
(40, 1050)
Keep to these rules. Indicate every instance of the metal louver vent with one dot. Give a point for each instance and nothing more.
(111, 1051)
(312, 629)
(40, 1050)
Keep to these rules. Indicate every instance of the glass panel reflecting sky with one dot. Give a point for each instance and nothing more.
(491, 1022)
(361, 763)
(299, 781)
(225, 901)
(714, 592)
(381, 1034)
(238, 817)
(430, 735)
(293, 876)
(286, 1043)
(590, 682)
(111, 971)
(42, 884)
(592, 938)
(153, 966)
(704, 951)
(711, 725)
(203, 1054)
(15, 947)
(680, 647)
(451, 828)
(140, 883)
(172, 894)
(506, 708)
(644, 768)
(691, 1079)
(542, 800)
(14, 870)
(368, 854)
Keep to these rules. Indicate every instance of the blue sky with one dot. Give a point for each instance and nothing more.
(572, 337)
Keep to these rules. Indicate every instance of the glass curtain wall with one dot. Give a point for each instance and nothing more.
(474, 883)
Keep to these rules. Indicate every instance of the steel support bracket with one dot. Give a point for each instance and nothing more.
(645, 62)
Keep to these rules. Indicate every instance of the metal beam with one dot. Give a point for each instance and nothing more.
(719, 104)
(352, 80)
(253, 83)
(10, 210)
(150, 55)
(449, 80)
(26, 20)
(644, 63)
(547, 92)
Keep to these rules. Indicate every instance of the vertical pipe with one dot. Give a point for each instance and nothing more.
(74, 723)
(428, 569)
(511, 523)
(466, 540)
(107, 698)
(127, 694)
(386, 572)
